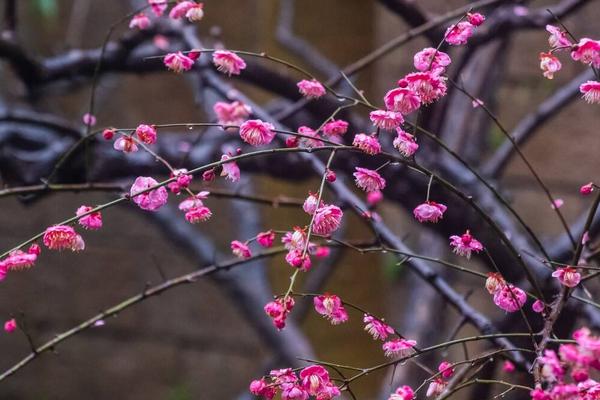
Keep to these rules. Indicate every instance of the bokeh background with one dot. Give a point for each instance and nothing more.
(193, 342)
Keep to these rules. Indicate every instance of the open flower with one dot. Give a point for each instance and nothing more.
(402, 100)
(591, 91)
(549, 64)
(18, 260)
(150, 200)
(405, 143)
(428, 85)
(430, 211)
(335, 128)
(266, 239)
(178, 62)
(228, 62)
(459, 34)
(476, 19)
(126, 144)
(230, 170)
(587, 51)
(139, 21)
(233, 113)
(367, 143)
(90, 221)
(158, 6)
(257, 132)
(399, 347)
(558, 37)
(510, 298)
(311, 204)
(312, 89)
(146, 133)
(61, 237)
(327, 219)
(377, 328)
(386, 120)
(568, 276)
(368, 180)
(430, 59)
(465, 244)
(330, 306)
(240, 249)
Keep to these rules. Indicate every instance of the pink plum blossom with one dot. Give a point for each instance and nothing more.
(430, 59)
(402, 100)
(465, 244)
(436, 387)
(311, 89)
(178, 62)
(446, 369)
(228, 62)
(180, 9)
(558, 37)
(430, 211)
(587, 51)
(377, 328)
(90, 221)
(335, 128)
(139, 21)
(240, 250)
(330, 306)
(150, 200)
(158, 6)
(61, 237)
(476, 19)
(327, 219)
(126, 144)
(549, 64)
(195, 13)
(567, 276)
(510, 298)
(368, 180)
(230, 170)
(146, 133)
(233, 113)
(459, 34)
(405, 143)
(428, 85)
(367, 143)
(266, 239)
(386, 120)
(591, 91)
(399, 347)
(311, 203)
(257, 132)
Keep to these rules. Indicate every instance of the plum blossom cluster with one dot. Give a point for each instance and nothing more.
(312, 381)
(585, 51)
(392, 347)
(190, 10)
(567, 374)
